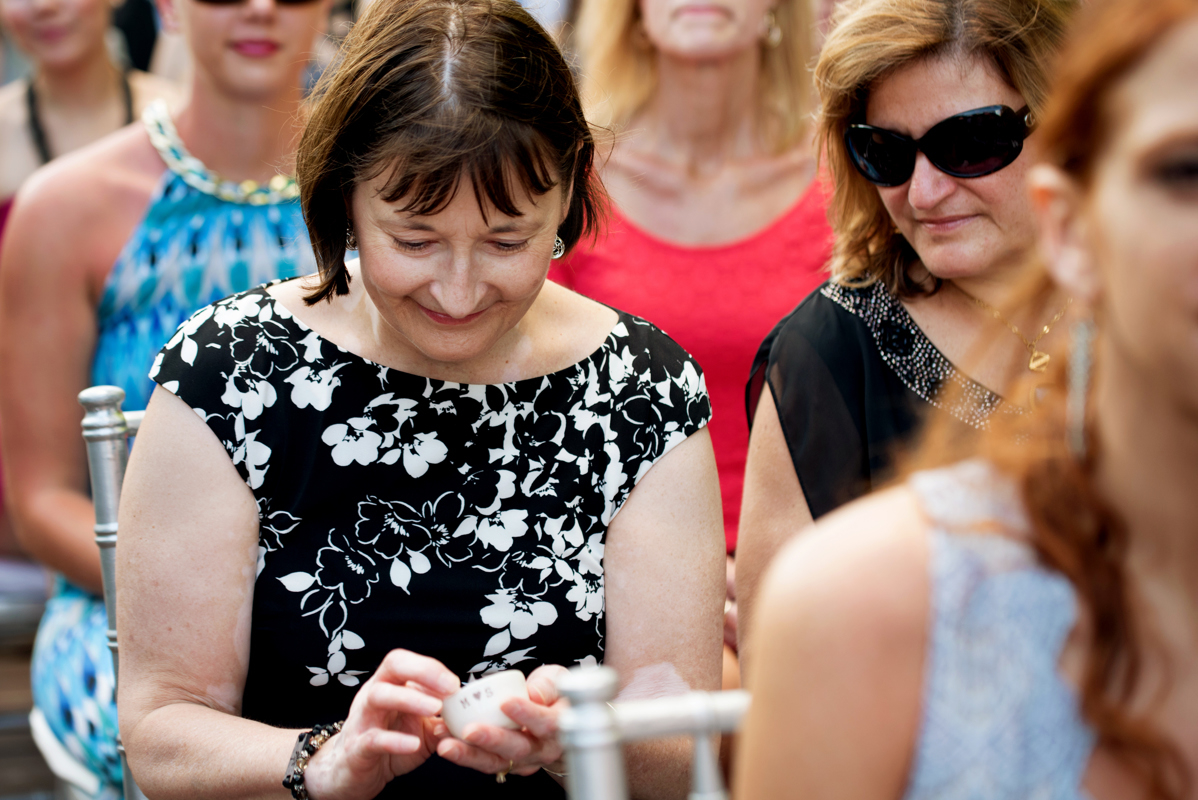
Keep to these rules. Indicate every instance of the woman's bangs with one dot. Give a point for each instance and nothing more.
(504, 160)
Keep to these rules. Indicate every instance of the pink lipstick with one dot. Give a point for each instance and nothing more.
(445, 319)
(256, 48)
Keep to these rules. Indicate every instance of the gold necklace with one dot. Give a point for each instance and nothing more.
(1039, 360)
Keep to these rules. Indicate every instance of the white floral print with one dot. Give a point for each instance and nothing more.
(466, 522)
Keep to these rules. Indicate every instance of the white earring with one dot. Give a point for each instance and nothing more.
(773, 32)
(1081, 359)
(559, 248)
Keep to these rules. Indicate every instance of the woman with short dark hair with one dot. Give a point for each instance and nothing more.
(354, 491)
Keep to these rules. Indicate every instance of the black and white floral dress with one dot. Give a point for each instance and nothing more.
(463, 522)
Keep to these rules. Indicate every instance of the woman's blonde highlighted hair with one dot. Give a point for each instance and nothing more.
(619, 69)
(869, 40)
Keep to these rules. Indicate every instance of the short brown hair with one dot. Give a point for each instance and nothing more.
(873, 38)
(434, 90)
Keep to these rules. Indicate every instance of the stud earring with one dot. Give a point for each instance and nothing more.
(559, 248)
(773, 32)
(1081, 359)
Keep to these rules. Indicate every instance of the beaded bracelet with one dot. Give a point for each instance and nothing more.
(305, 747)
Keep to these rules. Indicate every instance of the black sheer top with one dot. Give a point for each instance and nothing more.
(853, 376)
(463, 522)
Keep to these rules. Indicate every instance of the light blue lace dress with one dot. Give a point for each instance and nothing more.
(999, 722)
(201, 239)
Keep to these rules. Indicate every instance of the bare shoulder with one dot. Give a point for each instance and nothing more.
(12, 104)
(20, 159)
(119, 167)
(862, 571)
(574, 324)
(840, 641)
(326, 317)
(291, 295)
(99, 193)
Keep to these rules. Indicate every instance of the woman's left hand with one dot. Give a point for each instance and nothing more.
(487, 748)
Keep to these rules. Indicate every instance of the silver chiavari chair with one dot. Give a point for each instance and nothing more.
(594, 729)
(106, 430)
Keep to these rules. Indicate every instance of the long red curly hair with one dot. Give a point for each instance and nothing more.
(1074, 530)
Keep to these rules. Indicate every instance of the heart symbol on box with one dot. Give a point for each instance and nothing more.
(478, 695)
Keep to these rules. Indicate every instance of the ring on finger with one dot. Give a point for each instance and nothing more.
(501, 776)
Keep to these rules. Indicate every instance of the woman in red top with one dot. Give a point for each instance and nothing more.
(717, 226)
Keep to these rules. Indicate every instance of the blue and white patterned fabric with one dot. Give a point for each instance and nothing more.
(194, 246)
(73, 683)
(999, 722)
(192, 249)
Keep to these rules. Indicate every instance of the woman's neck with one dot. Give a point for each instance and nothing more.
(241, 138)
(90, 83)
(1149, 467)
(994, 286)
(703, 113)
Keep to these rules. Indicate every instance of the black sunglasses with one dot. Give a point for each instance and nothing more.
(968, 145)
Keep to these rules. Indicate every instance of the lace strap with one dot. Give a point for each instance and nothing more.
(998, 720)
(971, 497)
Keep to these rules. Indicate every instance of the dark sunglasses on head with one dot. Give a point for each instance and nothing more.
(968, 145)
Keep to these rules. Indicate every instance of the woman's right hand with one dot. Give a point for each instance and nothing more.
(389, 732)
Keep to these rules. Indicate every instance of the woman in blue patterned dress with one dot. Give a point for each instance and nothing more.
(354, 490)
(109, 249)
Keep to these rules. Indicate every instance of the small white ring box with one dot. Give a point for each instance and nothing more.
(479, 701)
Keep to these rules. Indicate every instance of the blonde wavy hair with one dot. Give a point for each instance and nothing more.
(869, 40)
(619, 69)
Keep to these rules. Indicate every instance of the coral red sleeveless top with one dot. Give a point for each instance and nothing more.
(718, 302)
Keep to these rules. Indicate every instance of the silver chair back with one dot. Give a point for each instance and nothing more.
(594, 730)
(106, 431)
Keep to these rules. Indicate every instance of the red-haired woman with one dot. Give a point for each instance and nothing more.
(1021, 623)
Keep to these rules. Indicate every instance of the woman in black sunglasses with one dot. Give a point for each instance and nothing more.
(1021, 623)
(107, 250)
(926, 109)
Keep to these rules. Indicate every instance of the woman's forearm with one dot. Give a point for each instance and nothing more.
(56, 527)
(193, 752)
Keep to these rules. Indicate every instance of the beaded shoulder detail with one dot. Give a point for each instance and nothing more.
(194, 173)
(915, 360)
